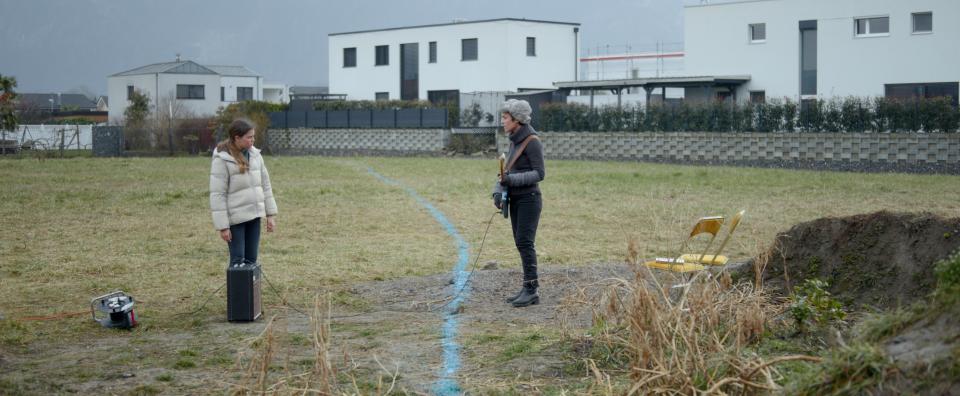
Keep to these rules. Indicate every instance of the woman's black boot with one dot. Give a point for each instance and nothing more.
(528, 296)
(515, 296)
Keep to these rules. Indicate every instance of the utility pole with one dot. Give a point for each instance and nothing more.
(170, 126)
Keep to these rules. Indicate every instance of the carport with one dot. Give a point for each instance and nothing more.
(706, 83)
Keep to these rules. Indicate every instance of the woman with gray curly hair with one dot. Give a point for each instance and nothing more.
(521, 181)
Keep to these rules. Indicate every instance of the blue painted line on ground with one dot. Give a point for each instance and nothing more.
(447, 384)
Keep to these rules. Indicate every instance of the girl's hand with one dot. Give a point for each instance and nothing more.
(271, 223)
(225, 234)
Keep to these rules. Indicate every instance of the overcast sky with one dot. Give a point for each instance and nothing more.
(73, 45)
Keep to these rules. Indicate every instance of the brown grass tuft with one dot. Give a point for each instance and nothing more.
(683, 338)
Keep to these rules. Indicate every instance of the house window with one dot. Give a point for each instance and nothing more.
(758, 96)
(433, 52)
(758, 32)
(924, 90)
(189, 91)
(531, 46)
(350, 57)
(468, 49)
(382, 53)
(870, 27)
(244, 93)
(129, 91)
(923, 22)
(382, 96)
(223, 96)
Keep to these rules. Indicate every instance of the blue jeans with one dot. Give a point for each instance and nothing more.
(524, 219)
(245, 242)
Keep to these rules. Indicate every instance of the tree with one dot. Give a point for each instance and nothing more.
(8, 103)
(134, 131)
(169, 117)
(253, 110)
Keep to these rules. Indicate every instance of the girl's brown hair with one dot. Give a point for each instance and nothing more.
(238, 128)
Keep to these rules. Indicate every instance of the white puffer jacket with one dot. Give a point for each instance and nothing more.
(239, 197)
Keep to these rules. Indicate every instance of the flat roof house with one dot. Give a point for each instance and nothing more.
(803, 49)
(438, 62)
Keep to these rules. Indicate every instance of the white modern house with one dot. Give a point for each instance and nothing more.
(438, 62)
(276, 93)
(199, 89)
(803, 49)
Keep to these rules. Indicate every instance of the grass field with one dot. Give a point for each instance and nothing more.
(75, 228)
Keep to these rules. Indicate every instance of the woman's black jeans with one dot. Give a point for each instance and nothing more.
(245, 242)
(524, 218)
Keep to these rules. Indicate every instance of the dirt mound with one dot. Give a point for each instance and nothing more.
(881, 259)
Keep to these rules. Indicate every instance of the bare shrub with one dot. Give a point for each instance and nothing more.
(692, 337)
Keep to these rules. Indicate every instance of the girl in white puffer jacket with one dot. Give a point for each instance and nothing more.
(240, 193)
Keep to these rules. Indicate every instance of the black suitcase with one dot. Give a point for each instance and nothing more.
(243, 293)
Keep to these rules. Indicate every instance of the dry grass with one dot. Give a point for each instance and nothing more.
(71, 229)
(264, 375)
(679, 336)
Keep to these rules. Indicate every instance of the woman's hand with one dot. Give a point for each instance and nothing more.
(271, 223)
(225, 234)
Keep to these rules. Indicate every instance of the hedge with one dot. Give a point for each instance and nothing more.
(850, 114)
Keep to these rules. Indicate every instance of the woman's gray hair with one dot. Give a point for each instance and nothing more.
(518, 109)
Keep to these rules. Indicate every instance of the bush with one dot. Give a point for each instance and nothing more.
(254, 110)
(948, 276)
(812, 302)
(850, 114)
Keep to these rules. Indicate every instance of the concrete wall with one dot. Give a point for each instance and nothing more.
(358, 141)
(501, 65)
(717, 43)
(706, 147)
(927, 153)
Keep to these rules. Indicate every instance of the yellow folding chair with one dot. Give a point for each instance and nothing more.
(709, 225)
(715, 258)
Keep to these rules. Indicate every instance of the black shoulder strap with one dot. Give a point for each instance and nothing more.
(523, 145)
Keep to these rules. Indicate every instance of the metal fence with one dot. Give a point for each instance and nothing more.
(107, 141)
(369, 119)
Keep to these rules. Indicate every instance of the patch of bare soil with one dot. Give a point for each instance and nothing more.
(383, 328)
(928, 352)
(881, 259)
(484, 314)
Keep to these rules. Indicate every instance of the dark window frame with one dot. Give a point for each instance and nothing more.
(223, 94)
(433, 52)
(350, 57)
(913, 22)
(239, 98)
(868, 28)
(808, 57)
(381, 59)
(531, 46)
(191, 91)
(381, 96)
(464, 49)
(752, 32)
(758, 96)
(949, 89)
(130, 90)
